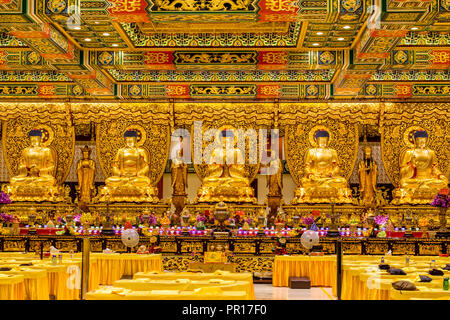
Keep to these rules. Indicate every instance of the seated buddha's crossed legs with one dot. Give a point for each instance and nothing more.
(115, 181)
(38, 181)
(424, 183)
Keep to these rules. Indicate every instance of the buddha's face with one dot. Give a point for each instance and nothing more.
(85, 154)
(421, 142)
(35, 141)
(367, 152)
(322, 142)
(130, 142)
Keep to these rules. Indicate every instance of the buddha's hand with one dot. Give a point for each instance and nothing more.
(33, 170)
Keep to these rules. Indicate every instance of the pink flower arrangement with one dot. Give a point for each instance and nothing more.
(6, 217)
(308, 220)
(201, 218)
(152, 220)
(381, 220)
(441, 200)
(4, 198)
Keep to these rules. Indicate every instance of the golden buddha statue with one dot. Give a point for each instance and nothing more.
(36, 179)
(322, 182)
(274, 182)
(225, 178)
(179, 183)
(420, 178)
(86, 173)
(367, 171)
(130, 181)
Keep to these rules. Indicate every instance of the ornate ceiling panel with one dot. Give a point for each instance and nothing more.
(197, 49)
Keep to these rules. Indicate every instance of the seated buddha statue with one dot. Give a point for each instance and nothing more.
(322, 182)
(36, 173)
(225, 177)
(129, 181)
(420, 178)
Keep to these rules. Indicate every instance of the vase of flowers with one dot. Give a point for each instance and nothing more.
(4, 198)
(442, 201)
(6, 220)
(307, 221)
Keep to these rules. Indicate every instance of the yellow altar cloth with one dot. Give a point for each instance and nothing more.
(143, 284)
(222, 275)
(36, 282)
(63, 281)
(12, 287)
(211, 293)
(320, 269)
(113, 266)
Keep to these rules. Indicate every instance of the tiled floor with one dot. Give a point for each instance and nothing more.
(267, 292)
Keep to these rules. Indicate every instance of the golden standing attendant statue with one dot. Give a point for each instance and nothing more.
(322, 181)
(179, 174)
(420, 178)
(86, 173)
(367, 171)
(274, 182)
(36, 179)
(179, 185)
(130, 181)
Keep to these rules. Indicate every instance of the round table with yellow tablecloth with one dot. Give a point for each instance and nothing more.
(321, 270)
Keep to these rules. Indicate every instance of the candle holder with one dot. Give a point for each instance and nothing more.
(333, 229)
(146, 220)
(443, 231)
(221, 214)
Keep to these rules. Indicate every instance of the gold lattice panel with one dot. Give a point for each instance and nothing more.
(299, 138)
(60, 138)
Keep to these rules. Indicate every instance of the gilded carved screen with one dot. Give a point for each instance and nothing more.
(201, 141)
(59, 137)
(344, 139)
(152, 137)
(397, 137)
